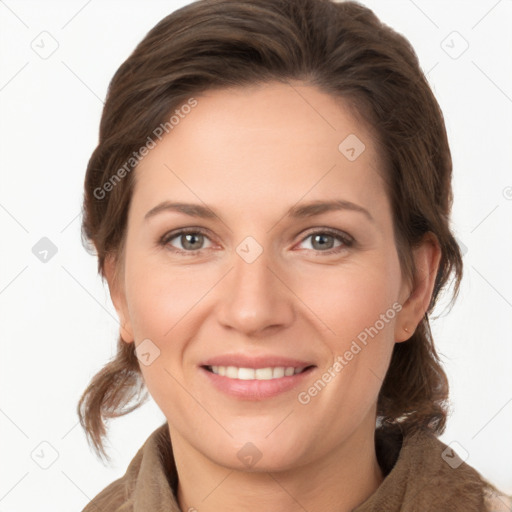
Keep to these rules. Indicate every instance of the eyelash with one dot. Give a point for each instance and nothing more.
(347, 240)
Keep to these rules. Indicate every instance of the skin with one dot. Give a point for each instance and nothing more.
(249, 154)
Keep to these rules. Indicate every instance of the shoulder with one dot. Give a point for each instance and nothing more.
(423, 473)
(118, 496)
(113, 498)
(146, 472)
(455, 474)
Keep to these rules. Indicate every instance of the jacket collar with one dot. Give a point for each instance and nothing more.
(422, 474)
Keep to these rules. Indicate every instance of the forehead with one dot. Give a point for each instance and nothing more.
(271, 142)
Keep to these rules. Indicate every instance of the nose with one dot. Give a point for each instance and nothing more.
(255, 297)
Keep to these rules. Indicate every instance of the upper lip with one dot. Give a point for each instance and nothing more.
(245, 361)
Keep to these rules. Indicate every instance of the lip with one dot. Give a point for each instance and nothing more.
(254, 389)
(244, 361)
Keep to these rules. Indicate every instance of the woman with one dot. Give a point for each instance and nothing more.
(269, 202)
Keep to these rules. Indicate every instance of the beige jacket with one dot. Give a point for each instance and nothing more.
(422, 475)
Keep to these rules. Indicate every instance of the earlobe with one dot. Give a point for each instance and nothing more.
(403, 333)
(125, 332)
(118, 297)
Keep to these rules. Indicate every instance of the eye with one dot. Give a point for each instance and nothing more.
(324, 241)
(191, 241)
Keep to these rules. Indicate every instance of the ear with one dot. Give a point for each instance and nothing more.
(117, 294)
(427, 257)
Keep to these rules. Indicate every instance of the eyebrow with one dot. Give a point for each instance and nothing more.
(297, 211)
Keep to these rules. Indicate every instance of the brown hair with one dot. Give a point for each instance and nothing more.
(344, 50)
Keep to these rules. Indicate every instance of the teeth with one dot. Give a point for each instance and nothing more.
(277, 372)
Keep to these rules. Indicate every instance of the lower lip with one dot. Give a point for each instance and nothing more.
(256, 389)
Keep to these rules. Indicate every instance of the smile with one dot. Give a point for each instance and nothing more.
(245, 383)
(269, 373)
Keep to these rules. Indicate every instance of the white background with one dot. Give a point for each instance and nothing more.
(58, 326)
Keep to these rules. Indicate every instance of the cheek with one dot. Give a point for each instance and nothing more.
(353, 298)
(158, 304)
(164, 305)
(357, 305)
(160, 297)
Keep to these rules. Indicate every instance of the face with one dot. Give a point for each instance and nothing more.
(256, 274)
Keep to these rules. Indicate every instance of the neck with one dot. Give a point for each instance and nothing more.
(337, 482)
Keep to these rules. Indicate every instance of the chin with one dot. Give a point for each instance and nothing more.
(254, 453)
